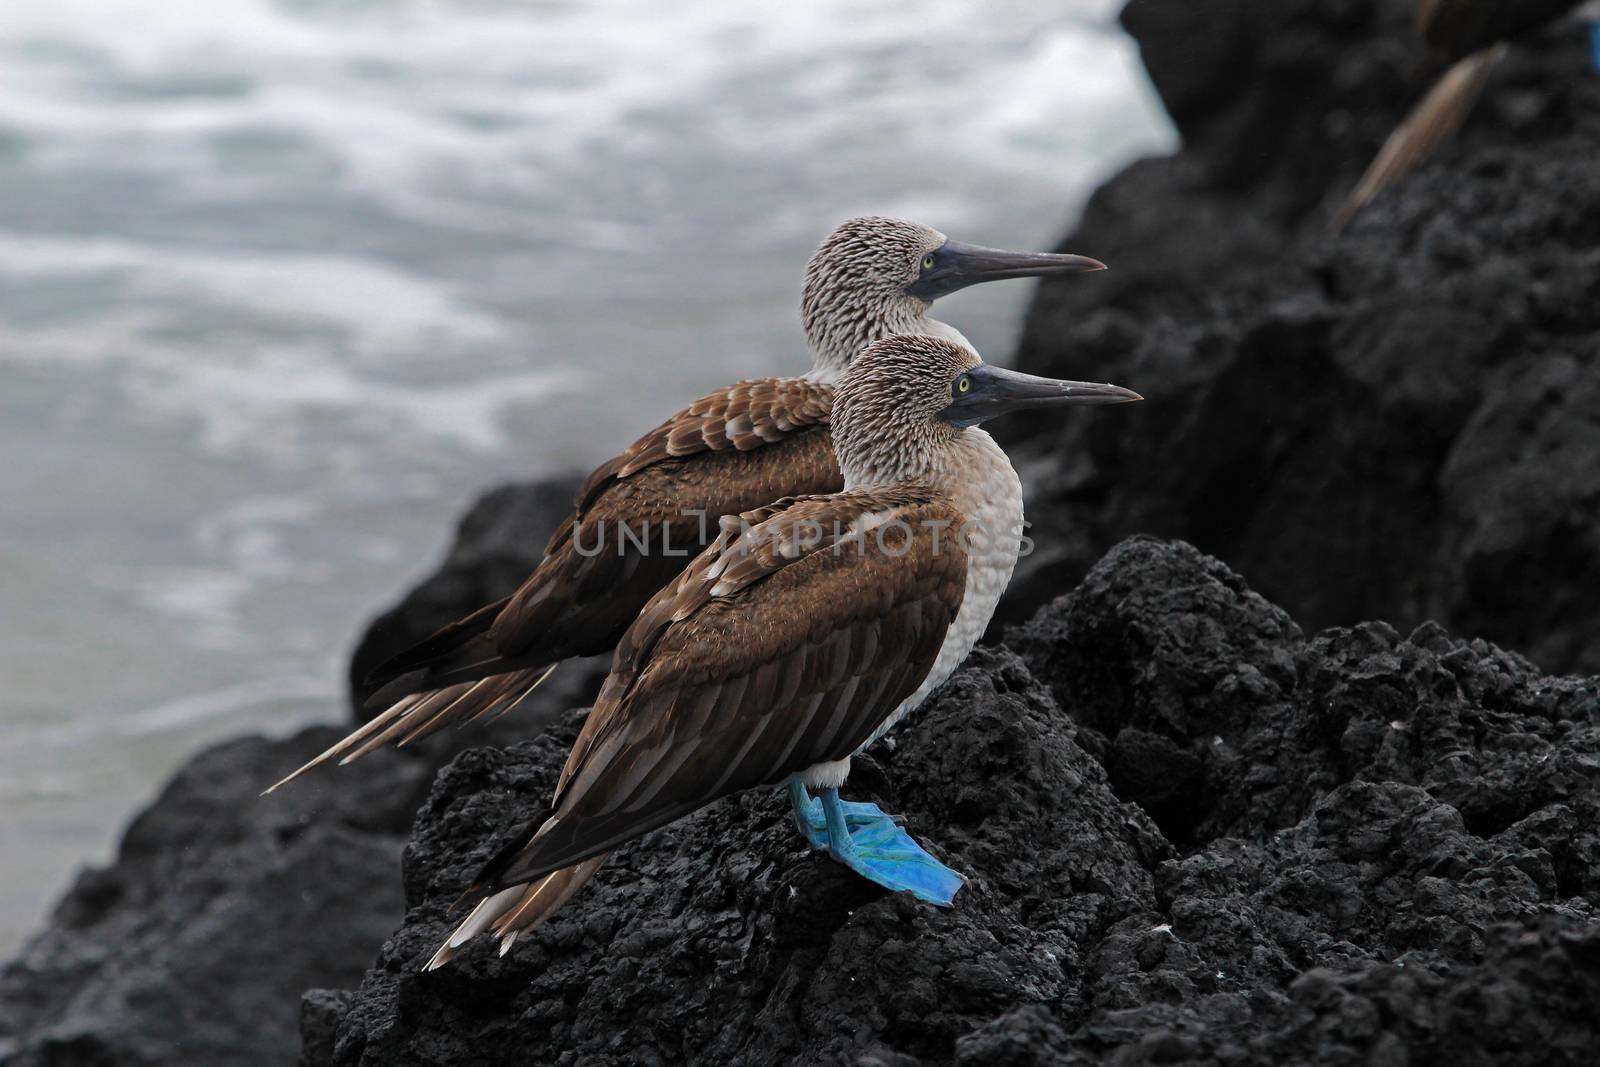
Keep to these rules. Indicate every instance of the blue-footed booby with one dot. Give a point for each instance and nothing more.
(1472, 36)
(641, 516)
(803, 634)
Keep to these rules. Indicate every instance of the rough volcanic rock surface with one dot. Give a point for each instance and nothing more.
(721, 938)
(220, 908)
(1401, 422)
(1384, 852)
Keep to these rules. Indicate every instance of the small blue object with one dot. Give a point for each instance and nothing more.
(873, 844)
(1594, 42)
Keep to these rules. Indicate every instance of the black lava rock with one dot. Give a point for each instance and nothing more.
(1383, 851)
(1398, 422)
(220, 909)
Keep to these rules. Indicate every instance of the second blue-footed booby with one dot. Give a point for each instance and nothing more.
(641, 516)
(1472, 36)
(804, 633)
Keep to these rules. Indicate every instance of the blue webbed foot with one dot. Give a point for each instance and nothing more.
(1594, 43)
(881, 851)
(813, 824)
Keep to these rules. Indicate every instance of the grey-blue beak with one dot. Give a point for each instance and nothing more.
(984, 392)
(956, 265)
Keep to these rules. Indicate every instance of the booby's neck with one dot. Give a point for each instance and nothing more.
(968, 467)
(835, 340)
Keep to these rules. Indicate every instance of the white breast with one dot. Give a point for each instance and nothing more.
(989, 493)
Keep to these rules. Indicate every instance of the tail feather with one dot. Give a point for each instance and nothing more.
(419, 714)
(355, 737)
(488, 909)
(447, 701)
(471, 662)
(494, 712)
(517, 910)
(1439, 115)
(464, 704)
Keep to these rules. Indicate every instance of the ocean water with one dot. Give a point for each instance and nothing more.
(284, 283)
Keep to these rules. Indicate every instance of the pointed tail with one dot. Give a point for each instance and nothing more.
(518, 910)
(414, 717)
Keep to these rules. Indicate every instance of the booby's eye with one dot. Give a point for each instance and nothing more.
(927, 261)
(963, 384)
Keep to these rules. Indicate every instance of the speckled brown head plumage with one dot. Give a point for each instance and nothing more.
(875, 277)
(886, 408)
(906, 399)
(855, 287)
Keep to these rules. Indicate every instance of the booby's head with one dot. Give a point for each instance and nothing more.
(905, 401)
(875, 277)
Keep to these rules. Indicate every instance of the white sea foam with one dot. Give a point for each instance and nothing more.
(380, 308)
(243, 407)
(399, 93)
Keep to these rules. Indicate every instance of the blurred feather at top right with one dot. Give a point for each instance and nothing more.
(1472, 36)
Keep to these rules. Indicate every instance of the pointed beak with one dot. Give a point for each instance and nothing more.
(995, 391)
(957, 265)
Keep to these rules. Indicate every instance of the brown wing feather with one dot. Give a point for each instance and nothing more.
(743, 417)
(1439, 115)
(676, 727)
(639, 519)
(740, 448)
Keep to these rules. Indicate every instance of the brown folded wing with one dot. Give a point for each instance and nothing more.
(637, 521)
(778, 649)
(728, 452)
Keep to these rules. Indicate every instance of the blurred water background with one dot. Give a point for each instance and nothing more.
(284, 283)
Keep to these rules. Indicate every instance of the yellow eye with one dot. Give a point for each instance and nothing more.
(927, 262)
(963, 384)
